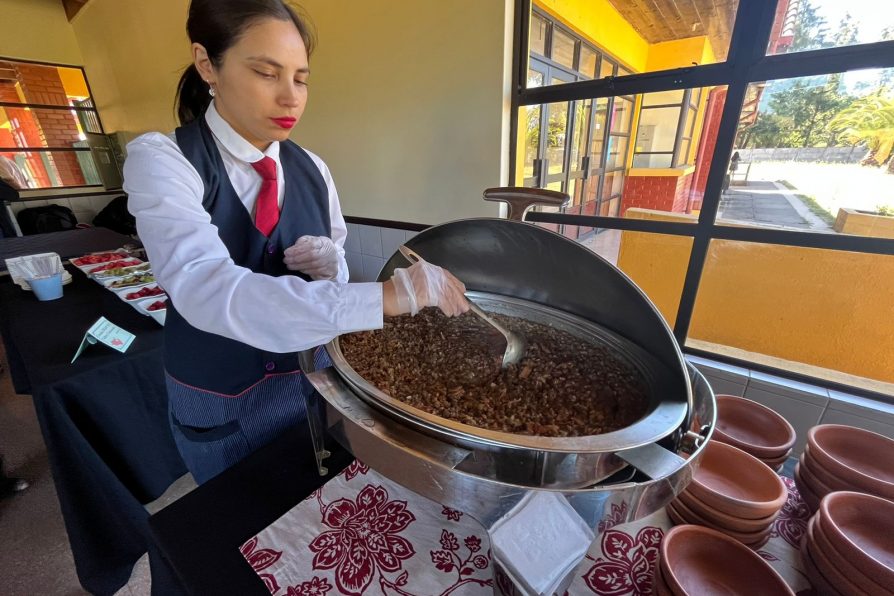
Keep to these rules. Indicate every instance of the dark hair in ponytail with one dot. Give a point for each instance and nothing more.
(218, 25)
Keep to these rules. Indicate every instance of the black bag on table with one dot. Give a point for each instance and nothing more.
(116, 217)
(51, 218)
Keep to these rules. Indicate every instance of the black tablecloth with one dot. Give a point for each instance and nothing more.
(200, 534)
(68, 244)
(103, 419)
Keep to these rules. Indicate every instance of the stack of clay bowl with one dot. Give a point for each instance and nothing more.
(755, 429)
(849, 545)
(731, 492)
(839, 457)
(698, 561)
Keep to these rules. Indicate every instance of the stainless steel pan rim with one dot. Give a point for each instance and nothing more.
(667, 415)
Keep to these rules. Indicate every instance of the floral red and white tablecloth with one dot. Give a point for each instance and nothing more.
(364, 534)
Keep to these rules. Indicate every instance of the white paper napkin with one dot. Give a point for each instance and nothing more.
(540, 540)
(23, 268)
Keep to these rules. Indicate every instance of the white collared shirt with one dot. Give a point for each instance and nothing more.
(191, 262)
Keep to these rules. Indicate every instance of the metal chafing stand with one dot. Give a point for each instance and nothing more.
(523, 270)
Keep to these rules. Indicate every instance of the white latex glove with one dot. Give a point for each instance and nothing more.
(424, 284)
(317, 256)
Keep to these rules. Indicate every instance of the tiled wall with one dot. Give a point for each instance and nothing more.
(85, 207)
(367, 248)
(802, 405)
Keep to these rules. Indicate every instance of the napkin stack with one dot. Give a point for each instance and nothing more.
(540, 541)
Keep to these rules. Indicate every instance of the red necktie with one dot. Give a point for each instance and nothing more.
(267, 203)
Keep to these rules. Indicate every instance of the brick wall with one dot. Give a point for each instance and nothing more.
(27, 132)
(706, 145)
(57, 128)
(661, 193)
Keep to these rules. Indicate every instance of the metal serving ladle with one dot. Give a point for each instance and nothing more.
(515, 342)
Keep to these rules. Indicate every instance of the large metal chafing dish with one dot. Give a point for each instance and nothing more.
(522, 270)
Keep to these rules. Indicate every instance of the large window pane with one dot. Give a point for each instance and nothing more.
(51, 169)
(814, 24)
(637, 36)
(814, 154)
(657, 129)
(811, 311)
(617, 152)
(659, 98)
(563, 48)
(556, 134)
(621, 115)
(26, 82)
(537, 39)
(653, 160)
(44, 127)
(588, 60)
(606, 68)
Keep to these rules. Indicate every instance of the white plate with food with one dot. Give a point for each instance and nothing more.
(134, 280)
(155, 307)
(135, 295)
(123, 270)
(91, 261)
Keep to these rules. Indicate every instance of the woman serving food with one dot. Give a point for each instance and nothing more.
(245, 232)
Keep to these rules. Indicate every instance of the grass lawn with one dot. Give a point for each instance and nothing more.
(828, 186)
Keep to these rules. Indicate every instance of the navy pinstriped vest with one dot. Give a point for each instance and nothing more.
(209, 361)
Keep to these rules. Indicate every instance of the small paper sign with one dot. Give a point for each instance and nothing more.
(107, 333)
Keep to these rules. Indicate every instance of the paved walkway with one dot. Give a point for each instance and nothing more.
(767, 203)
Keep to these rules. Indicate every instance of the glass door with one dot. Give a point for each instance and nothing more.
(557, 123)
(531, 125)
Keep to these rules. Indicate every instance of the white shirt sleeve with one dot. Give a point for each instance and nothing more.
(191, 262)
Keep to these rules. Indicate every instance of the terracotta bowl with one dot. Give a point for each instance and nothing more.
(696, 560)
(830, 570)
(821, 586)
(821, 474)
(825, 546)
(809, 497)
(736, 483)
(852, 454)
(752, 427)
(861, 527)
(777, 462)
(818, 487)
(660, 584)
(690, 516)
(721, 518)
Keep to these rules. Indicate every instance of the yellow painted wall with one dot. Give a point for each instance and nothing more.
(657, 262)
(830, 309)
(134, 51)
(678, 53)
(599, 22)
(409, 104)
(37, 30)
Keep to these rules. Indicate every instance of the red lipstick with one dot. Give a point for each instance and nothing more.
(285, 122)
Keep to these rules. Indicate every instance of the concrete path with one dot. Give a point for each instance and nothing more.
(767, 203)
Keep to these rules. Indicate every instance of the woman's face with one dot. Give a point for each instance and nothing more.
(261, 85)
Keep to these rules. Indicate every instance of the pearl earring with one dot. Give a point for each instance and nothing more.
(211, 91)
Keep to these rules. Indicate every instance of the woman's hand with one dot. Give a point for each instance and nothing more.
(423, 284)
(316, 256)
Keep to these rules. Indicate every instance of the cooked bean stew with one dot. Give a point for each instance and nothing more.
(563, 387)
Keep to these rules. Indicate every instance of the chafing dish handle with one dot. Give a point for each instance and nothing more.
(520, 199)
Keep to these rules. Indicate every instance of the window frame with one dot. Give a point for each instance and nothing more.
(67, 109)
(747, 62)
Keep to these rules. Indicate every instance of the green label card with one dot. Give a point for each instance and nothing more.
(107, 333)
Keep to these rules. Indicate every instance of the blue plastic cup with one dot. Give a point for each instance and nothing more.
(47, 288)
